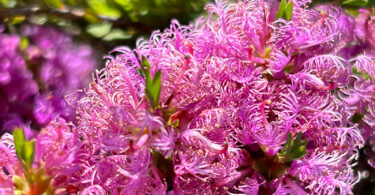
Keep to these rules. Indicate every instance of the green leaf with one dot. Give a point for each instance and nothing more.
(289, 143)
(8, 3)
(361, 74)
(153, 89)
(357, 117)
(285, 10)
(298, 153)
(288, 10)
(127, 5)
(117, 34)
(145, 64)
(165, 165)
(298, 149)
(104, 8)
(99, 30)
(156, 86)
(355, 3)
(367, 77)
(24, 149)
(293, 149)
(150, 99)
(17, 19)
(153, 85)
(28, 152)
(140, 72)
(24, 43)
(353, 12)
(280, 13)
(56, 4)
(19, 141)
(355, 71)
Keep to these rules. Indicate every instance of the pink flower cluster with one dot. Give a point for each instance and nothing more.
(246, 100)
(37, 69)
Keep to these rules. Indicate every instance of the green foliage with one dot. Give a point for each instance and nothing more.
(24, 42)
(361, 74)
(24, 149)
(104, 8)
(165, 165)
(19, 141)
(355, 3)
(153, 85)
(280, 12)
(357, 117)
(8, 3)
(350, 6)
(99, 30)
(128, 18)
(32, 178)
(285, 10)
(117, 34)
(269, 167)
(104, 24)
(293, 149)
(57, 4)
(153, 89)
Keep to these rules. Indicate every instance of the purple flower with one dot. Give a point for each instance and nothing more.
(238, 103)
(17, 86)
(35, 80)
(221, 124)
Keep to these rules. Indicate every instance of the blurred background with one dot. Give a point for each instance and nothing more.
(104, 24)
(83, 31)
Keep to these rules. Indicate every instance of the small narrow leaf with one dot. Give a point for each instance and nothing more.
(289, 143)
(293, 149)
(367, 77)
(298, 138)
(288, 10)
(153, 89)
(355, 71)
(140, 72)
(361, 74)
(19, 141)
(28, 152)
(153, 85)
(150, 99)
(156, 86)
(298, 152)
(145, 64)
(280, 13)
(355, 3)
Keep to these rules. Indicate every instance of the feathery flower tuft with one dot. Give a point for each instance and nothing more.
(255, 97)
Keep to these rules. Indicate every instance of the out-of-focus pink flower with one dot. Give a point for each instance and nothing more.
(35, 79)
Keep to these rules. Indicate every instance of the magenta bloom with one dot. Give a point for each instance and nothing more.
(17, 87)
(35, 79)
(246, 100)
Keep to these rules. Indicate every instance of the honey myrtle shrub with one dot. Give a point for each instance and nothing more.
(255, 97)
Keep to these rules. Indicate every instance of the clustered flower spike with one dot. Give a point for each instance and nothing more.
(37, 69)
(255, 97)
